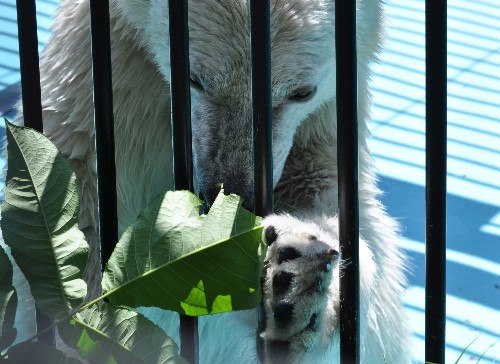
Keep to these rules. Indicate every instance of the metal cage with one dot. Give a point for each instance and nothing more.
(262, 106)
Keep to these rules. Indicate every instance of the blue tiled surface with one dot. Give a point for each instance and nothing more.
(9, 59)
(473, 255)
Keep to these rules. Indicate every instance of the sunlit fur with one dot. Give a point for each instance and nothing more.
(304, 146)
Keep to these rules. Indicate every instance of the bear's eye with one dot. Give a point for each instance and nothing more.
(303, 94)
(196, 83)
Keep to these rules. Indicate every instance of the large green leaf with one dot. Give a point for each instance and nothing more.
(104, 333)
(8, 302)
(39, 221)
(36, 352)
(176, 259)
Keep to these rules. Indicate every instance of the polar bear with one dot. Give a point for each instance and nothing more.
(301, 297)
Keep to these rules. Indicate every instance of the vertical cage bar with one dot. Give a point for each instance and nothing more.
(347, 157)
(104, 127)
(32, 107)
(180, 96)
(260, 35)
(180, 108)
(30, 69)
(435, 258)
(261, 87)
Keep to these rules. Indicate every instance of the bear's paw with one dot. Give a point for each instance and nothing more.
(298, 277)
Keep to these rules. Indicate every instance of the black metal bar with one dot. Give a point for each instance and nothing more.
(347, 159)
(262, 106)
(180, 97)
(180, 108)
(29, 63)
(436, 120)
(32, 108)
(104, 127)
(260, 38)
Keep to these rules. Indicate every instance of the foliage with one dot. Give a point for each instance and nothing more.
(31, 352)
(39, 222)
(8, 302)
(202, 263)
(104, 333)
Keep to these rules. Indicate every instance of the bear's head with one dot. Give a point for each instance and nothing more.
(303, 77)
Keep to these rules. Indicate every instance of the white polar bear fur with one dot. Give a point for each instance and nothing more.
(304, 149)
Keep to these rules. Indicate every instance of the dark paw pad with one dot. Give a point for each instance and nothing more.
(281, 282)
(282, 314)
(270, 235)
(332, 254)
(288, 253)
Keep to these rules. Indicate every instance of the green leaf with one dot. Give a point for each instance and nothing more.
(104, 333)
(176, 259)
(39, 221)
(36, 352)
(8, 302)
